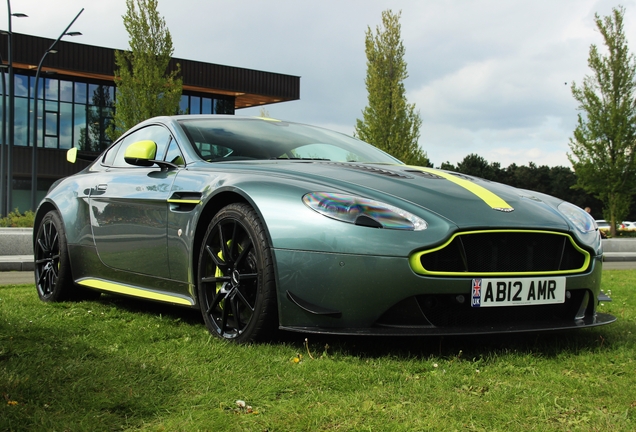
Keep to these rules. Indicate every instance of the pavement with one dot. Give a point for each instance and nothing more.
(18, 269)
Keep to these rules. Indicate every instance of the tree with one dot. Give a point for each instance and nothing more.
(389, 122)
(477, 166)
(604, 142)
(145, 87)
(557, 181)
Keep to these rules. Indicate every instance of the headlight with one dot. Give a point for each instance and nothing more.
(362, 211)
(579, 217)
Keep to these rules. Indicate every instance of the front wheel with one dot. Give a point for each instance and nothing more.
(236, 285)
(52, 267)
(53, 278)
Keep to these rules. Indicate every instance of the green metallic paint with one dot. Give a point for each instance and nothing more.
(484, 194)
(363, 287)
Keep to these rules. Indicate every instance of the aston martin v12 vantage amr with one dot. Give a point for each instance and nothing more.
(264, 224)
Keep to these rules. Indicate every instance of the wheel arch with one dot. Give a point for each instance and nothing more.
(45, 207)
(212, 207)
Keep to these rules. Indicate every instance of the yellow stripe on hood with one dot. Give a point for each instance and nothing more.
(487, 196)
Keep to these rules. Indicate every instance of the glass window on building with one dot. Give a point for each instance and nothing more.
(66, 91)
(66, 124)
(21, 121)
(184, 104)
(21, 85)
(195, 105)
(78, 114)
(80, 93)
(206, 106)
(51, 89)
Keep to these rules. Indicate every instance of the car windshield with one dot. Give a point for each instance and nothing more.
(231, 139)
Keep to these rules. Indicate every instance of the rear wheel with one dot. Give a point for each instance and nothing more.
(53, 278)
(236, 285)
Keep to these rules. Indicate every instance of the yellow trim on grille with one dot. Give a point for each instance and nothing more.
(416, 263)
(133, 291)
(487, 196)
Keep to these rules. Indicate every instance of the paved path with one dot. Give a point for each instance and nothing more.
(16, 278)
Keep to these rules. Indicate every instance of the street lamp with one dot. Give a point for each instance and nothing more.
(9, 162)
(34, 160)
(4, 139)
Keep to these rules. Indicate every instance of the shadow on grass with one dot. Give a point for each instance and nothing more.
(54, 378)
(547, 343)
(134, 305)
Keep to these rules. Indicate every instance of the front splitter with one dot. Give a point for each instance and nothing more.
(598, 320)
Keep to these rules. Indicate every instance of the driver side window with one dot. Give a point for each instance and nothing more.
(158, 134)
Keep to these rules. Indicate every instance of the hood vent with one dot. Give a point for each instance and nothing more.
(425, 174)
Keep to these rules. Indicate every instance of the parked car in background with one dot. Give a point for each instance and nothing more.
(603, 225)
(628, 226)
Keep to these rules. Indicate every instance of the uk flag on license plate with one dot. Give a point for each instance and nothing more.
(476, 301)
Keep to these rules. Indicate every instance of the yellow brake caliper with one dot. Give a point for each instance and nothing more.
(219, 273)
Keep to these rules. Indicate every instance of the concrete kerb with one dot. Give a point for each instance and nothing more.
(16, 241)
(16, 249)
(16, 263)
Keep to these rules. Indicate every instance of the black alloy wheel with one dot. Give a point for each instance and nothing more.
(52, 268)
(236, 285)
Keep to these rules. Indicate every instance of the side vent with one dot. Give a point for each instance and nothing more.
(184, 201)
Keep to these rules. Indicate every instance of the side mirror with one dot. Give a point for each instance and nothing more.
(71, 155)
(141, 153)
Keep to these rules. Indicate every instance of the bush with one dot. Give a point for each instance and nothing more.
(17, 220)
(625, 233)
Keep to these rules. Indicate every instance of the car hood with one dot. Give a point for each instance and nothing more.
(468, 202)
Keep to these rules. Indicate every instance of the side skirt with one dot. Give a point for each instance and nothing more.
(104, 285)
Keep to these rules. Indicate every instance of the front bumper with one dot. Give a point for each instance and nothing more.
(364, 294)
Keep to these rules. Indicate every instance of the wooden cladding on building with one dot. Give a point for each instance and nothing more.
(249, 87)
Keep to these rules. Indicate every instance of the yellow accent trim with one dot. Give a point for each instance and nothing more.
(137, 292)
(145, 149)
(184, 201)
(269, 119)
(487, 196)
(416, 264)
(71, 155)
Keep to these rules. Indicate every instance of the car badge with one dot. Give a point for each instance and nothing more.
(504, 209)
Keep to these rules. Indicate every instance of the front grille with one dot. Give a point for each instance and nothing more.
(486, 252)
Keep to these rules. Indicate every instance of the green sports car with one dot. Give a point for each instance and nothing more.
(265, 224)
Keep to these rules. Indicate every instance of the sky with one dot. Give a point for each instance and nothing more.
(488, 77)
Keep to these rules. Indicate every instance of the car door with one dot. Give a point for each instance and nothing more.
(129, 208)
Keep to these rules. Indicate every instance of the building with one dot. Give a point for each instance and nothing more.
(75, 105)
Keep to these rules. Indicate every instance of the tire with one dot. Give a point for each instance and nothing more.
(53, 278)
(236, 285)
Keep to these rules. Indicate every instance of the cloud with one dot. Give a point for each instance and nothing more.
(489, 77)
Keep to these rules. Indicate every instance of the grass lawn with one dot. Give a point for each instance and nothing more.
(120, 364)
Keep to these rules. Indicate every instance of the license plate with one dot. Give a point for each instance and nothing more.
(517, 292)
